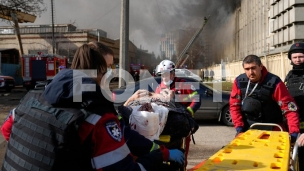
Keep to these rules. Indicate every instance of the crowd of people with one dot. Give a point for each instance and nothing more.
(69, 126)
(207, 75)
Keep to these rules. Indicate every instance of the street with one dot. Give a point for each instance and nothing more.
(210, 137)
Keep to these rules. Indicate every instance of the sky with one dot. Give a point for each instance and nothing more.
(148, 18)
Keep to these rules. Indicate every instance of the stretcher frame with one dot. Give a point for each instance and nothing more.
(291, 165)
(294, 163)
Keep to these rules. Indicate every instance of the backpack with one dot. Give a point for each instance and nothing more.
(179, 123)
(45, 137)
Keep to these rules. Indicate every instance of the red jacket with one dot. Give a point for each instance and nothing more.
(280, 95)
(7, 125)
(185, 93)
(105, 131)
(101, 129)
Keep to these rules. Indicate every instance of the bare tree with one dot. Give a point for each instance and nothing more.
(15, 11)
(34, 7)
(195, 52)
(173, 58)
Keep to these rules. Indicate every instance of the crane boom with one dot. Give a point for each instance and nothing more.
(180, 60)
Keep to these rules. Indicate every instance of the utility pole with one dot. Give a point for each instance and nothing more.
(124, 43)
(53, 27)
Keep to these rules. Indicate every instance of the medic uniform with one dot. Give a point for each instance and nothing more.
(101, 129)
(6, 128)
(276, 102)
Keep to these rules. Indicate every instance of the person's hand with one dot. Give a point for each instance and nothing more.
(239, 131)
(177, 155)
(141, 93)
(138, 94)
(300, 140)
(293, 137)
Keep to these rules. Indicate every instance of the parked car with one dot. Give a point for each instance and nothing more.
(187, 73)
(210, 108)
(7, 82)
(41, 85)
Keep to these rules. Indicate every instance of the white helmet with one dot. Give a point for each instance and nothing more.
(165, 66)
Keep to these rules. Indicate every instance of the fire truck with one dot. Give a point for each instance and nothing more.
(135, 70)
(41, 67)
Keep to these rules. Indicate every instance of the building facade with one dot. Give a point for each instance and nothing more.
(67, 38)
(286, 22)
(169, 43)
(266, 27)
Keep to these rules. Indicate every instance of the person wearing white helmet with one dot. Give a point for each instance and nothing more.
(166, 69)
(294, 82)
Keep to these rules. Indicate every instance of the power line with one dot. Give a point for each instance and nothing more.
(105, 14)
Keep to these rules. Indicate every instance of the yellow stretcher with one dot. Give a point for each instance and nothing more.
(258, 150)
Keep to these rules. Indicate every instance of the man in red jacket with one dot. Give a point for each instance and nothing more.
(260, 96)
(185, 93)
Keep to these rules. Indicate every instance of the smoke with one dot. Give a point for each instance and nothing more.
(148, 18)
(153, 18)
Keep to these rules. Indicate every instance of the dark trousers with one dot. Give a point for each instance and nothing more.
(301, 155)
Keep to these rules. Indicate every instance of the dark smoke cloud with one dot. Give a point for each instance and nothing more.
(148, 18)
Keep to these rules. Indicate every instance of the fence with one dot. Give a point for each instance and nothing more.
(278, 64)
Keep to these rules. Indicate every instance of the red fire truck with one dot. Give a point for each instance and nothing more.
(41, 67)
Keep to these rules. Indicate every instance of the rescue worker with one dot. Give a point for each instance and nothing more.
(101, 128)
(190, 99)
(260, 96)
(202, 75)
(138, 144)
(294, 82)
(136, 76)
(207, 75)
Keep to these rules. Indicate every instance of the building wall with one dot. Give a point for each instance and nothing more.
(65, 43)
(287, 22)
(67, 40)
(169, 43)
(252, 28)
(268, 26)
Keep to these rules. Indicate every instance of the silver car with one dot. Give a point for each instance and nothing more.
(214, 104)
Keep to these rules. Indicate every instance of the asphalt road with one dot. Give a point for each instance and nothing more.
(210, 137)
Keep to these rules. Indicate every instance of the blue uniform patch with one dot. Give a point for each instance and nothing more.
(114, 130)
